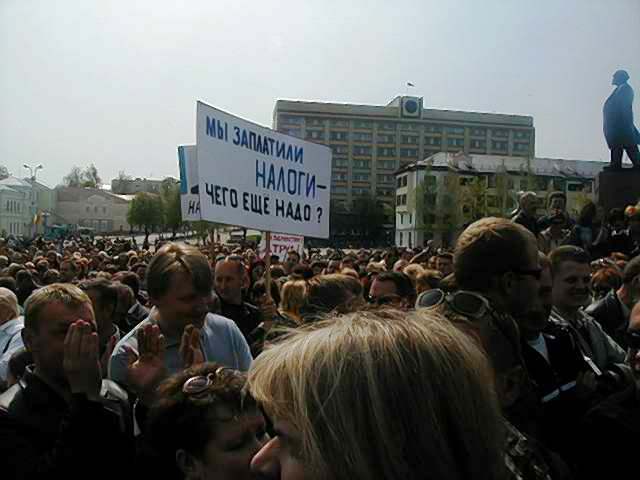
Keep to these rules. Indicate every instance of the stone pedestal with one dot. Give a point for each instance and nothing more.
(618, 188)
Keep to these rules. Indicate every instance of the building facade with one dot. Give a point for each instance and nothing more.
(91, 207)
(438, 196)
(371, 142)
(15, 219)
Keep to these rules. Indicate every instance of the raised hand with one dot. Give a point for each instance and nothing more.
(190, 349)
(146, 369)
(81, 360)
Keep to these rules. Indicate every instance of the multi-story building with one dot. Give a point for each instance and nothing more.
(131, 186)
(15, 208)
(438, 196)
(371, 142)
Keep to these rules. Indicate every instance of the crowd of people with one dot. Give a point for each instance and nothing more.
(511, 355)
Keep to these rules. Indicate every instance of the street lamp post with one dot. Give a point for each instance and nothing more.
(33, 171)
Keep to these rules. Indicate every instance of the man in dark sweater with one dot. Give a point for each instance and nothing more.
(61, 418)
(230, 278)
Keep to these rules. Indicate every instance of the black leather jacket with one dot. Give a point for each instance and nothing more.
(44, 436)
(609, 314)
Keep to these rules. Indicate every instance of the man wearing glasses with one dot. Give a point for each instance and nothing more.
(497, 270)
(392, 288)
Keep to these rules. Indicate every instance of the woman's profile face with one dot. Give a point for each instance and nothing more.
(228, 454)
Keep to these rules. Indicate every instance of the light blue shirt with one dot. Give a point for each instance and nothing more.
(220, 339)
(10, 341)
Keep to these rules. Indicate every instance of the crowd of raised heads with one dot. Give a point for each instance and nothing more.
(510, 355)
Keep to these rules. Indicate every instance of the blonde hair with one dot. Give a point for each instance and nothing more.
(384, 395)
(294, 295)
(65, 293)
(412, 271)
(8, 305)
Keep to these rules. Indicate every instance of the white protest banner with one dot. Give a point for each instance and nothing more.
(189, 198)
(255, 177)
(281, 243)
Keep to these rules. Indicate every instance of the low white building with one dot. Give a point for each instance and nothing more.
(91, 207)
(15, 218)
(438, 196)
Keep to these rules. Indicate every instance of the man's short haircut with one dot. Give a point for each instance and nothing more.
(632, 270)
(488, 247)
(333, 292)
(173, 258)
(65, 293)
(527, 195)
(554, 195)
(9, 283)
(105, 289)
(129, 279)
(235, 260)
(567, 253)
(402, 282)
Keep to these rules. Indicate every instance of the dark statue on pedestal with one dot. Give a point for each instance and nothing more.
(619, 130)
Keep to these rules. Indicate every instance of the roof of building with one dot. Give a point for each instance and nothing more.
(78, 194)
(7, 188)
(12, 181)
(552, 167)
(385, 111)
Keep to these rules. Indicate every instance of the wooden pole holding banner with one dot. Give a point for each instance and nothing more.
(267, 262)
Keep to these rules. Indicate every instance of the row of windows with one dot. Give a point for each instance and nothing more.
(402, 181)
(360, 177)
(393, 126)
(430, 141)
(15, 228)
(341, 162)
(13, 206)
(95, 209)
(401, 199)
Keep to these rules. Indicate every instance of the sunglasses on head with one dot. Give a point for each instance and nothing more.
(470, 305)
(198, 387)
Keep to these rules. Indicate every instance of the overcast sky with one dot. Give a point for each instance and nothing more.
(116, 82)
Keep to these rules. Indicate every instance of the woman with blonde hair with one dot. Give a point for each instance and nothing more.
(293, 297)
(378, 395)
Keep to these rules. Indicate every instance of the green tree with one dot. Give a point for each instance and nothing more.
(423, 200)
(474, 199)
(73, 178)
(368, 219)
(170, 195)
(450, 220)
(339, 219)
(88, 177)
(146, 211)
(504, 191)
